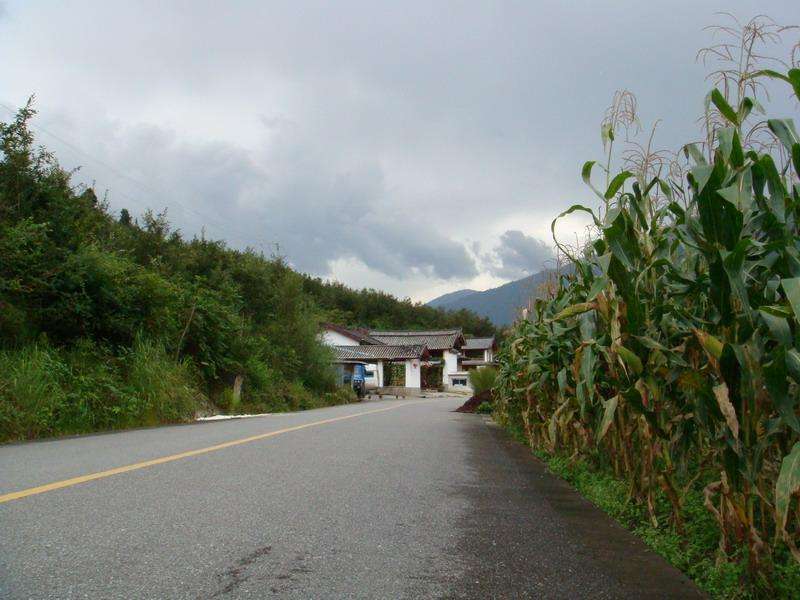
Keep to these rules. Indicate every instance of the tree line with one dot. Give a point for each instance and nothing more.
(112, 322)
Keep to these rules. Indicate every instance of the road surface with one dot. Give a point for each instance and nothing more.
(389, 499)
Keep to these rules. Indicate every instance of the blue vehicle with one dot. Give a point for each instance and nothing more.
(359, 380)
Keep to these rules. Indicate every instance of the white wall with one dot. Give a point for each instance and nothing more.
(379, 373)
(334, 338)
(450, 365)
(488, 355)
(370, 376)
(413, 371)
(459, 375)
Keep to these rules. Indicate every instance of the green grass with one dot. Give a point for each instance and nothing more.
(484, 408)
(694, 553)
(30, 392)
(47, 391)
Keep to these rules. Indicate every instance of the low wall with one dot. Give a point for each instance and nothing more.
(393, 390)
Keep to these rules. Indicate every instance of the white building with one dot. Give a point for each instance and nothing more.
(476, 353)
(429, 358)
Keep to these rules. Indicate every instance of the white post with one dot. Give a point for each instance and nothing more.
(379, 373)
(449, 365)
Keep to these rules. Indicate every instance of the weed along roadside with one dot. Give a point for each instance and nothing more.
(659, 373)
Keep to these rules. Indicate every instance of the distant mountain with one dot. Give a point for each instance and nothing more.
(444, 300)
(501, 304)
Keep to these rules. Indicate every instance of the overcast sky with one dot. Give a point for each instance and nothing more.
(417, 146)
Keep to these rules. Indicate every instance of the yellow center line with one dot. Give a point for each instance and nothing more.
(57, 485)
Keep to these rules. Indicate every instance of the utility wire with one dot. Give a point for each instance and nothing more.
(121, 174)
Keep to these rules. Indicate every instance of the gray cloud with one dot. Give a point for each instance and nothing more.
(358, 131)
(283, 195)
(518, 255)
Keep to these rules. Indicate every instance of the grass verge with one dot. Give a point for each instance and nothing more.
(47, 391)
(695, 552)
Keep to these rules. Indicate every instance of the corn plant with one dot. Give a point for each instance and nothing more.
(670, 350)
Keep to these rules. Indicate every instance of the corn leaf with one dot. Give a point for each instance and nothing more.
(794, 79)
(791, 288)
(710, 344)
(573, 310)
(696, 154)
(793, 364)
(731, 146)
(725, 406)
(784, 130)
(777, 383)
(778, 327)
(787, 485)
(724, 108)
(616, 184)
(631, 361)
(609, 409)
(586, 175)
(701, 174)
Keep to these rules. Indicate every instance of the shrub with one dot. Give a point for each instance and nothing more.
(30, 391)
(163, 389)
(96, 395)
(342, 395)
(229, 402)
(484, 408)
(46, 391)
(482, 379)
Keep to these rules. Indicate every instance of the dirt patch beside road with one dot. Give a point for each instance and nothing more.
(471, 405)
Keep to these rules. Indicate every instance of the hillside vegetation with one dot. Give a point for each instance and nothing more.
(669, 360)
(375, 309)
(109, 323)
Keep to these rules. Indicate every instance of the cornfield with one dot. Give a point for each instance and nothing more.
(669, 349)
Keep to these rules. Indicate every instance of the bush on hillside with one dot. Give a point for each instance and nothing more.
(482, 379)
(108, 323)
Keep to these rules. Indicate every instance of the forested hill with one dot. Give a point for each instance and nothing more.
(110, 322)
(375, 309)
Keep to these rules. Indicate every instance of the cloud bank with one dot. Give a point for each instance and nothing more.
(416, 147)
(518, 255)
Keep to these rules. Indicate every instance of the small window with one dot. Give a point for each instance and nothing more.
(459, 381)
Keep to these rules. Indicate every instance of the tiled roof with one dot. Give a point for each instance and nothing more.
(379, 352)
(478, 343)
(434, 340)
(359, 335)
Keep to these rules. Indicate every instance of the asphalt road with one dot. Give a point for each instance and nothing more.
(415, 501)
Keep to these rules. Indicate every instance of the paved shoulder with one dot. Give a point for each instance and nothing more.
(529, 534)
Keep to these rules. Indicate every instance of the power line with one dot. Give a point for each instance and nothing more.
(141, 184)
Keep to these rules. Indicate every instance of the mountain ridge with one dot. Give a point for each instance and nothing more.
(445, 299)
(500, 304)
